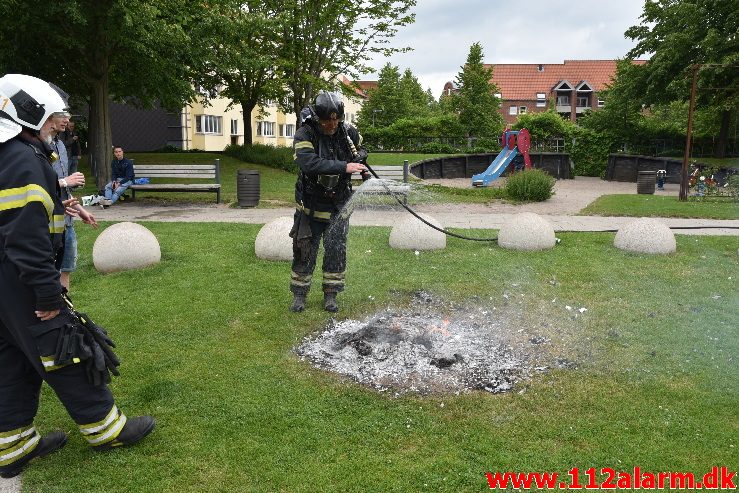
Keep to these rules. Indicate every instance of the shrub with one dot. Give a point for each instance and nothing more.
(533, 185)
(437, 148)
(274, 157)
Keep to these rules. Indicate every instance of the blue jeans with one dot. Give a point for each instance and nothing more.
(114, 196)
(69, 260)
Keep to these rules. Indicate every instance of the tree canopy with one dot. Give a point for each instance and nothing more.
(324, 39)
(475, 100)
(102, 49)
(396, 96)
(680, 34)
(244, 54)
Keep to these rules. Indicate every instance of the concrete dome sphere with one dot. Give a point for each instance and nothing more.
(273, 241)
(125, 246)
(646, 235)
(527, 231)
(411, 234)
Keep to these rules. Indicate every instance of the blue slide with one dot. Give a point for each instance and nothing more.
(496, 168)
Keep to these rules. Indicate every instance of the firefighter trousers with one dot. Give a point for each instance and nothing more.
(22, 372)
(334, 236)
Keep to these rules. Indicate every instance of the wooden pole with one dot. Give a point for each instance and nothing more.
(689, 137)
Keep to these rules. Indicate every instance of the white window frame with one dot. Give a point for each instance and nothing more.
(541, 100)
(583, 99)
(265, 129)
(522, 110)
(563, 100)
(289, 129)
(513, 110)
(601, 102)
(208, 124)
(234, 126)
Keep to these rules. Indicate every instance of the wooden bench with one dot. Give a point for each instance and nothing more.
(156, 172)
(398, 175)
(391, 172)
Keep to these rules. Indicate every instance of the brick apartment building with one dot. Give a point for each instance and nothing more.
(572, 86)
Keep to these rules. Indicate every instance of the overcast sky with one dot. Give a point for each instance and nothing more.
(522, 31)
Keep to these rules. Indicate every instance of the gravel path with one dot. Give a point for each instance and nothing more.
(570, 197)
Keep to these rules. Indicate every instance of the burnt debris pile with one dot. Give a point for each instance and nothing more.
(428, 348)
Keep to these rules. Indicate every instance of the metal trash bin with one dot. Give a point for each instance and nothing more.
(646, 181)
(247, 187)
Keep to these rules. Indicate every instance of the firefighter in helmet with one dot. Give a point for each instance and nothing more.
(327, 151)
(33, 314)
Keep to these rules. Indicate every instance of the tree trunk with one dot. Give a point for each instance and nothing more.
(100, 138)
(723, 135)
(246, 110)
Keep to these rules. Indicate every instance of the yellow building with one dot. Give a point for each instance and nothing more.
(213, 126)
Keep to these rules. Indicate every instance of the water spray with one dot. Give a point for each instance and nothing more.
(417, 216)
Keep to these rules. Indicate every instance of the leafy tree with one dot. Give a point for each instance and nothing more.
(384, 103)
(322, 39)
(475, 101)
(98, 49)
(245, 54)
(681, 34)
(415, 98)
(394, 98)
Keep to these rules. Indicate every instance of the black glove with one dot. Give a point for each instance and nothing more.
(361, 156)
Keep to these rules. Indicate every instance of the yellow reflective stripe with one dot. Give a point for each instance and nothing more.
(15, 198)
(102, 424)
(109, 434)
(11, 455)
(15, 435)
(56, 225)
(300, 280)
(49, 363)
(316, 214)
(304, 144)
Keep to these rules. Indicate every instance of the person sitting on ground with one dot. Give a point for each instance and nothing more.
(121, 177)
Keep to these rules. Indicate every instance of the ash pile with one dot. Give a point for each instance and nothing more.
(426, 348)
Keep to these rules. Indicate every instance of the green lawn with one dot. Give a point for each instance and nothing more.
(206, 343)
(645, 205)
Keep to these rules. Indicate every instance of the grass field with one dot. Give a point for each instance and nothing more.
(206, 343)
(645, 205)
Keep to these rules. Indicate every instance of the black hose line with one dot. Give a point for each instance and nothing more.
(449, 233)
(405, 206)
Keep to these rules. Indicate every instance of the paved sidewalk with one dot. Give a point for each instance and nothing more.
(570, 197)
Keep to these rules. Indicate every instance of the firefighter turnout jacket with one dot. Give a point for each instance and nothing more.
(323, 185)
(31, 218)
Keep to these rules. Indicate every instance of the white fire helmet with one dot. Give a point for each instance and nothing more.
(27, 101)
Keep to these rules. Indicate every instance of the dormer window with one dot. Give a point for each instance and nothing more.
(540, 68)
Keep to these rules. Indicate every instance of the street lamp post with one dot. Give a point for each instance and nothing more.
(376, 110)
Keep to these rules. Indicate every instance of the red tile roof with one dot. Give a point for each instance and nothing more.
(521, 81)
(364, 85)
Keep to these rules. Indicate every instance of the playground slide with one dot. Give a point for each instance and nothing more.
(496, 168)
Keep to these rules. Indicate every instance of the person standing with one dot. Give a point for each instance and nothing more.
(33, 313)
(73, 146)
(327, 152)
(121, 177)
(67, 181)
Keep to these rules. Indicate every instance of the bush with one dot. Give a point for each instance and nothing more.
(437, 148)
(533, 185)
(274, 157)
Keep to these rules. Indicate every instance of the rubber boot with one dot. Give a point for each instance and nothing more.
(48, 444)
(133, 431)
(329, 302)
(298, 303)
